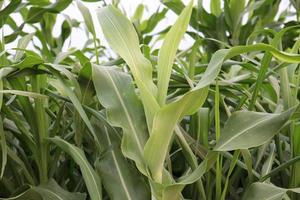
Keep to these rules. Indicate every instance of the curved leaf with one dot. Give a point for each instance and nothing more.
(90, 177)
(246, 129)
(164, 124)
(267, 191)
(120, 179)
(121, 36)
(115, 92)
(48, 191)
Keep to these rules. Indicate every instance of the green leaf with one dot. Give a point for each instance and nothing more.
(264, 191)
(236, 9)
(115, 92)
(16, 160)
(168, 51)
(52, 191)
(215, 7)
(10, 8)
(121, 36)
(87, 17)
(153, 152)
(31, 59)
(47, 191)
(22, 44)
(118, 176)
(27, 195)
(4, 72)
(39, 2)
(164, 123)
(3, 149)
(173, 191)
(92, 180)
(35, 14)
(148, 25)
(267, 166)
(267, 191)
(72, 96)
(24, 93)
(246, 129)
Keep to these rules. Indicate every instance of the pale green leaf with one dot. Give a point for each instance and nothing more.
(115, 92)
(264, 191)
(164, 123)
(52, 191)
(47, 191)
(24, 93)
(87, 17)
(72, 96)
(120, 179)
(267, 192)
(4, 72)
(122, 38)
(168, 51)
(22, 44)
(246, 129)
(267, 166)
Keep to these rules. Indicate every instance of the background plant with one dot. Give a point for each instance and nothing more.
(217, 120)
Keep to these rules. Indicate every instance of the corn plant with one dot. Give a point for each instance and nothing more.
(216, 120)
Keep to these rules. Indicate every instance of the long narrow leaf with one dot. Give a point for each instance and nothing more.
(168, 50)
(92, 180)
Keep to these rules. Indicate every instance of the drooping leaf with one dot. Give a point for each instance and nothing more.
(246, 129)
(173, 191)
(10, 8)
(24, 93)
(74, 99)
(116, 93)
(30, 59)
(36, 13)
(52, 191)
(22, 44)
(120, 179)
(266, 191)
(47, 191)
(92, 180)
(87, 17)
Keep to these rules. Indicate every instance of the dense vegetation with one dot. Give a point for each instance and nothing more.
(217, 120)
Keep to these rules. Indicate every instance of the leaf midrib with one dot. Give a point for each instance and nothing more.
(117, 167)
(131, 55)
(243, 131)
(128, 117)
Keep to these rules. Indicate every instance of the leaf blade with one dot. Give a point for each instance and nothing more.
(91, 179)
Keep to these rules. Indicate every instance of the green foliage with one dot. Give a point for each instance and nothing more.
(217, 118)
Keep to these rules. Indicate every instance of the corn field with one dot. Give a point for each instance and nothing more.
(134, 116)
